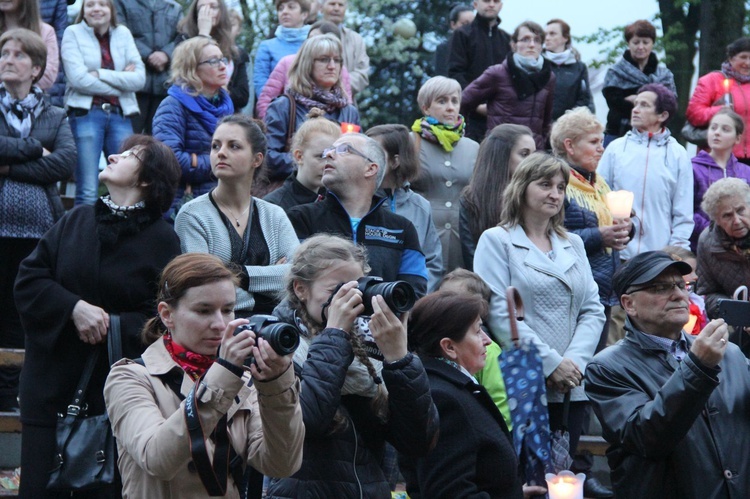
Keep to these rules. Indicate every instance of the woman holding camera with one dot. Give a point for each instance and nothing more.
(230, 223)
(194, 337)
(349, 415)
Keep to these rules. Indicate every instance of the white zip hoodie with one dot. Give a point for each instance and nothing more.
(657, 170)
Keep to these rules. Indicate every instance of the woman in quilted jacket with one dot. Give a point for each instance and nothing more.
(187, 117)
(361, 387)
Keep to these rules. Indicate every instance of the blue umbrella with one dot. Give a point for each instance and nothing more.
(527, 397)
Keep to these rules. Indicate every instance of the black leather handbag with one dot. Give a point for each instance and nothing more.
(86, 449)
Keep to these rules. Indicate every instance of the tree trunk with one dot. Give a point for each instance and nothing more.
(721, 23)
(680, 22)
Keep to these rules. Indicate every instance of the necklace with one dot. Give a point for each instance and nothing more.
(236, 218)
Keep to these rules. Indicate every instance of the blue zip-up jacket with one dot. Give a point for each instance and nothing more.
(393, 250)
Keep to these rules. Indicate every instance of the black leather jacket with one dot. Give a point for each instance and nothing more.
(676, 429)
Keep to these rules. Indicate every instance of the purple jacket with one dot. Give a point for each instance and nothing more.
(512, 96)
(705, 173)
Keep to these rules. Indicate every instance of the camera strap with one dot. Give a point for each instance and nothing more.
(213, 476)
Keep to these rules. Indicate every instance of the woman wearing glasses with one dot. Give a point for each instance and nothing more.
(103, 70)
(314, 82)
(96, 261)
(520, 90)
(253, 235)
(187, 117)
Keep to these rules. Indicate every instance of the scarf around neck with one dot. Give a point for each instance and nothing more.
(590, 196)
(292, 35)
(18, 112)
(207, 112)
(528, 64)
(433, 131)
(192, 363)
(726, 68)
(328, 100)
(558, 58)
(625, 74)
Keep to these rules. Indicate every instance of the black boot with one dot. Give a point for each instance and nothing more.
(594, 489)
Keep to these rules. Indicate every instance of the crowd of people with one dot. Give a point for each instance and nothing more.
(242, 202)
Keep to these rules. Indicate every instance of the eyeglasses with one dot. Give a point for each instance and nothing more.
(128, 153)
(662, 288)
(529, 39)
(342, 149)
(215, 61)
(327, 60)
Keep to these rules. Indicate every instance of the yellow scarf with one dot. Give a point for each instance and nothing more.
(590, 197)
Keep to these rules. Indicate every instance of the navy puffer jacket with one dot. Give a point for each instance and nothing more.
(345, 462)
(180, 129)
(585, 223)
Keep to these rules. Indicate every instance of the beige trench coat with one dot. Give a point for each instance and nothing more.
(265, 426)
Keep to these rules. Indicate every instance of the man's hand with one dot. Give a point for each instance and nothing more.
(711, 343)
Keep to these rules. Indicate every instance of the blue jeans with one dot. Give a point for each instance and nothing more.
(95, 132)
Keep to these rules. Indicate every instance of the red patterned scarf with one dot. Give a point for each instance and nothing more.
(192, 363)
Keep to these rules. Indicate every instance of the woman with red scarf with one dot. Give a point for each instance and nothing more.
(195, 336)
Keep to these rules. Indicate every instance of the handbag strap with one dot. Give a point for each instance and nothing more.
(114, 339)
(78, 396)
(290, 128)
(213, 477)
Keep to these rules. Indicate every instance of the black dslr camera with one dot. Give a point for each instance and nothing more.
(283, 337)
(398, 295)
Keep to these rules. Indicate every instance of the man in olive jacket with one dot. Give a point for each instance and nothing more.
(675, 408)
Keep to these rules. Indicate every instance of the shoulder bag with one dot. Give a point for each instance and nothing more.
(86, 453)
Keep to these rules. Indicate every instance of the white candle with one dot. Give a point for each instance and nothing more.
(565, 485)
(620, 203)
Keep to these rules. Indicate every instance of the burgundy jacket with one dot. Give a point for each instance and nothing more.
(513, 96)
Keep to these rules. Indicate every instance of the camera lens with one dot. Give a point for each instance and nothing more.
(283, 338)
(399, 296)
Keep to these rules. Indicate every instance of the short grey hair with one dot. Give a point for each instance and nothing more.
(721, 190)
(376, 153)
(435, 87)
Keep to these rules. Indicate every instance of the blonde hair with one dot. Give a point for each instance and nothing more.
(435, 87)
(573, 125)
(315, 122)
(300, 73)
(184, 65)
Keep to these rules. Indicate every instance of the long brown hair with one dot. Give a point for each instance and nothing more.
(222, 32)
(537, 166)
(28, 17)
(186, 271)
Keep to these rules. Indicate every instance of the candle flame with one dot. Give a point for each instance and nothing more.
(727, 84)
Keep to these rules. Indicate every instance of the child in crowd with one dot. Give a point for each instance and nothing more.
(698, 318)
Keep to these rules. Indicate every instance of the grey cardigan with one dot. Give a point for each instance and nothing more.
(81, 53)
(201, 230)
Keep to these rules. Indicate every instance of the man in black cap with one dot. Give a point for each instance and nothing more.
(675, 408)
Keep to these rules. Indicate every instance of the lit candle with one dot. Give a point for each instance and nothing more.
(350, 128)
(620, 203)
(565, 485)
(727, 92)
